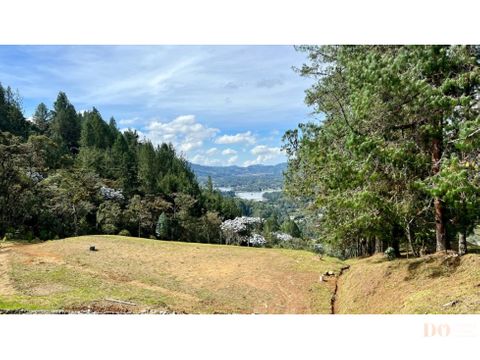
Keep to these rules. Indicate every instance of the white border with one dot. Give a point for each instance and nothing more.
(237, 337)
(238, 22)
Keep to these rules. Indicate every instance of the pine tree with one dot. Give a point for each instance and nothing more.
(42, 118)
(66, 123)
(162, 229)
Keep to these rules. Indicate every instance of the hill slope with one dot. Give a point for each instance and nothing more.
(428, 285)
(161, 276)
(140, 275)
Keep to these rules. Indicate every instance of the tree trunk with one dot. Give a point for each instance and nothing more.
(440, 229)
(462, 242)
(396, 233)
(378, 245)
(75, 220)
(411, 239)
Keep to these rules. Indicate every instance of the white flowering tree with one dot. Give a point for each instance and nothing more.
(256, 240)
(241, 230)
(282, 236)
(111, 194)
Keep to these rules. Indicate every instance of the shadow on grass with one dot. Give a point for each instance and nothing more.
(432, 266)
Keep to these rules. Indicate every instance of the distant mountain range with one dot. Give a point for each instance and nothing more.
(250, 178)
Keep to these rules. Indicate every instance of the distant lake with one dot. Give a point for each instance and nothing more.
(250, 195)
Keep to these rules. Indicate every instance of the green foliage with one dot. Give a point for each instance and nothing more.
(163, 229)
(11, 117)
(399, 129)
(390, 253)
(109, 216)
(42, 118)
(291, 228)
(124, 232)
(70, 174)
(65, 123)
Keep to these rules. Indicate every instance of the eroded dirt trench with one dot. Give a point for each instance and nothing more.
(333, 301)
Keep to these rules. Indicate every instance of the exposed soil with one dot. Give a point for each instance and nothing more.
(337, 280)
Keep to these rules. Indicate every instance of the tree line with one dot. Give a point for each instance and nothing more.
(393, 159)
(67, 173)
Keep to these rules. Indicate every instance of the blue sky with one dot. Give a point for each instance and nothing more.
(219, 105)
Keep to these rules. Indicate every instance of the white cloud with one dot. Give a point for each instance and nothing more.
(250, 162)
(211, 151)
(184, 132)
(264, 154)
(205, 160)
(247, 137)
(265, 150)
(232, 160)
(126, 122)
(229, 152)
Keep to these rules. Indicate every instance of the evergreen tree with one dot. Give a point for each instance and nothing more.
(392, 117)
(66, 123)
(42, 118)
(291, 228)
(162, 229)
(11, 117)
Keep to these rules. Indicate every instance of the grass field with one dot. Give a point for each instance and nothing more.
(162, 276)
(138, 275)
(435, 284)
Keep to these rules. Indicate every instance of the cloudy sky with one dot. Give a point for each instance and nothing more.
(219, 105)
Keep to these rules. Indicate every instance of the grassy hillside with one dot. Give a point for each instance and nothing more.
(432, 284)
(161, 276)
(138, 275)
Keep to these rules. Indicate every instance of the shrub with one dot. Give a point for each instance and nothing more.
(45, 234)
(256, 240)
(109, 229)
(124, 233)
(390, 253)
(318, 248)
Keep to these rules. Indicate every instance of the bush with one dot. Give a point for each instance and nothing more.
(124, 233)
(109, 229)
(45, 234)
(318, 249)
(390, 253)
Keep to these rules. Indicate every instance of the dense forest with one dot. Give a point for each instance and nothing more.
(68, 173)
(394, 159)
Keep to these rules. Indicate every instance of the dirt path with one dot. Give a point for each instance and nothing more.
(6, 287)
(334, 309)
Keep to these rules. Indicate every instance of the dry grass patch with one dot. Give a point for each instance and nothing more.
(173, 276)
(419, 286)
